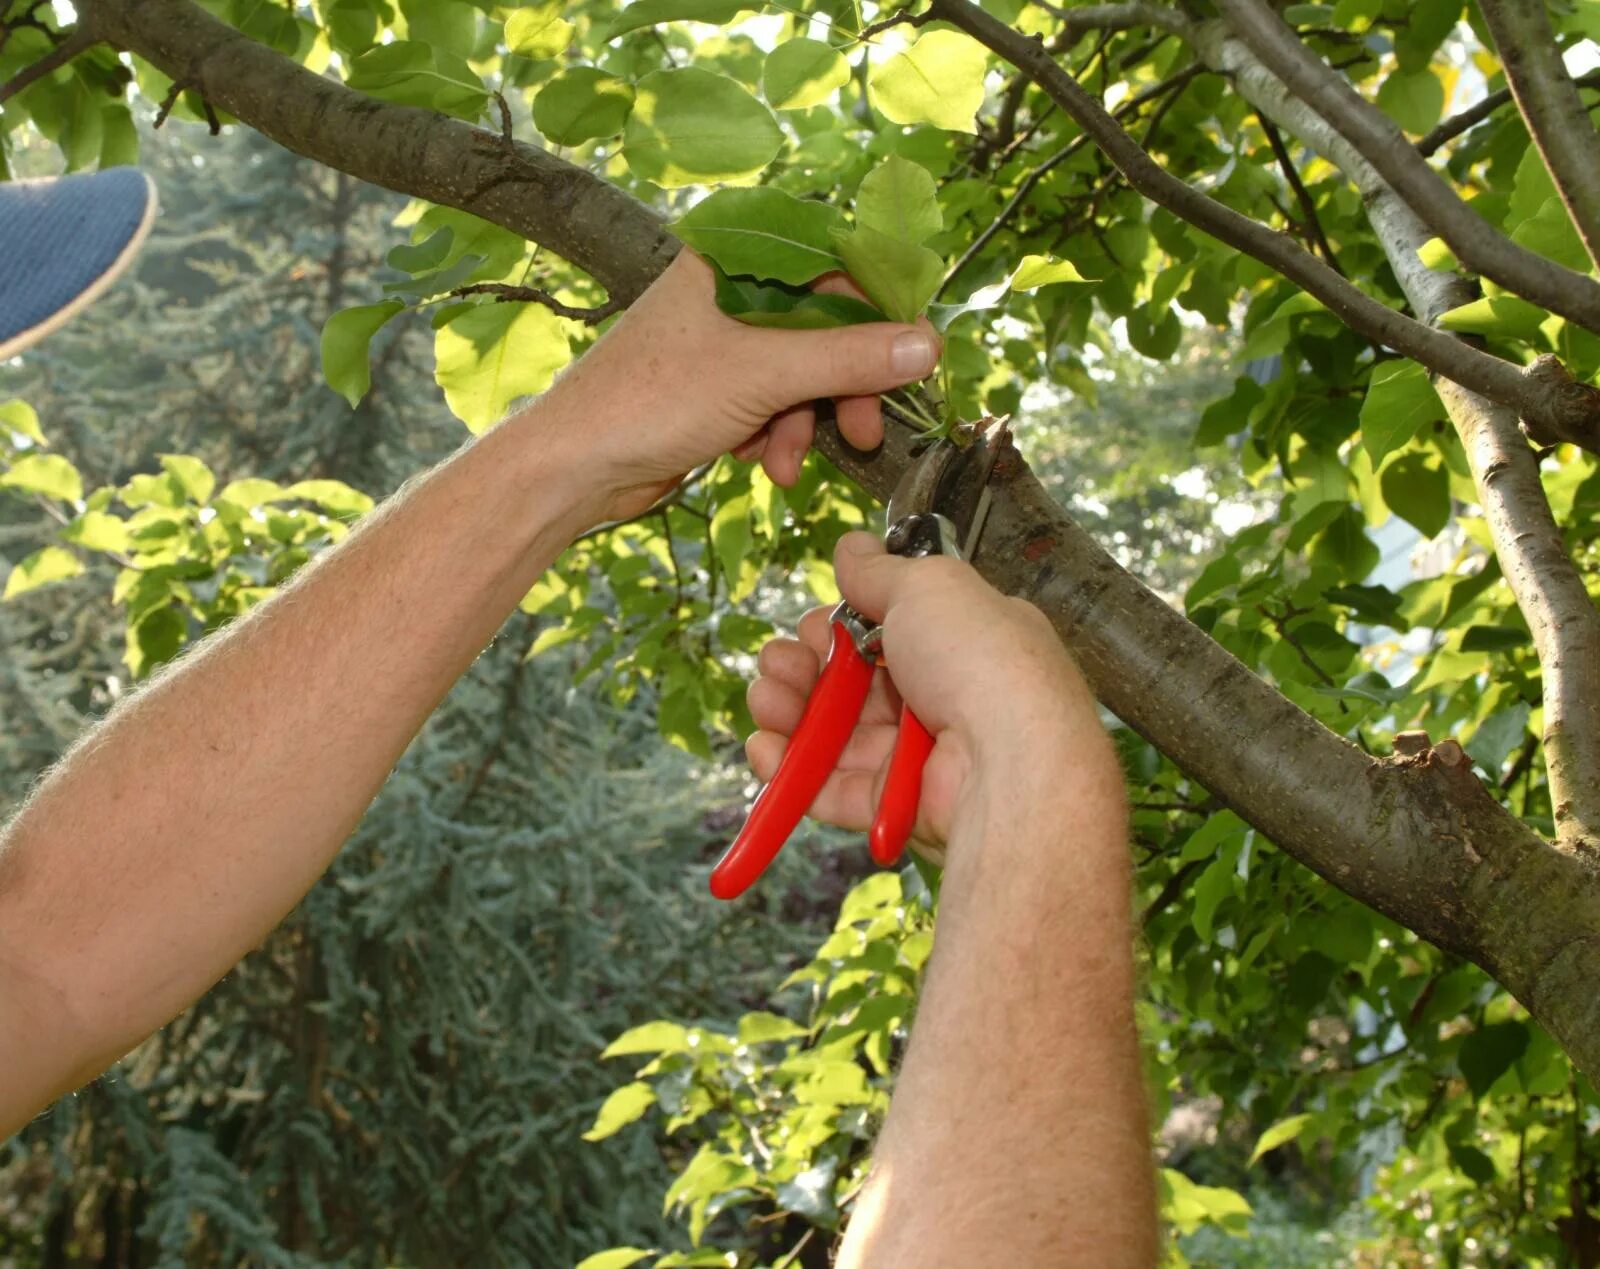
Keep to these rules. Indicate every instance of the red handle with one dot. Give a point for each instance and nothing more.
(830, 716)
(902, 789)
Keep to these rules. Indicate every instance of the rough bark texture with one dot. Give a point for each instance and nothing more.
(1415, 837)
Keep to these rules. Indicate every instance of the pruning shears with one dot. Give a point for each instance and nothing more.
(917, 526)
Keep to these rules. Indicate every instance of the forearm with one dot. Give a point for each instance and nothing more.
(1017, 1133)
(183, 829)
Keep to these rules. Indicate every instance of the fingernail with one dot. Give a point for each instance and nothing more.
(858, 543)
(912, 354)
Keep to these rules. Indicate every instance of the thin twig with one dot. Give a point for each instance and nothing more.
(1449, 129)
(506, 293)
(1307, 205)
(80, 39)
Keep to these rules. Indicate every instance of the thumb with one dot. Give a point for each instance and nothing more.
(869, 577)
(855, 360)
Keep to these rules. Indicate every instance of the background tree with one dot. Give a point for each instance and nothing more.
(1415, 294)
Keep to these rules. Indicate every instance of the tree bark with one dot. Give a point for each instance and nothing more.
(1417, 838)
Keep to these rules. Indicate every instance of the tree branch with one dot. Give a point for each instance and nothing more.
(1418, 839)
(1308, 206)
(1575, 405)
(1476, 243)
(77, 42)
(578, 215)
(1544, 580)
(1551, 106)
(504, 292)
(1449, 129)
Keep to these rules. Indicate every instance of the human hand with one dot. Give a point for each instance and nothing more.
(676, 382)
(1010, 714)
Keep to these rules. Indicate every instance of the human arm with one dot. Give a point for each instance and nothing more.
(1017, 1131)
(170, 841)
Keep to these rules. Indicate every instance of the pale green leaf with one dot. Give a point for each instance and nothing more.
(616, 1258)
(764, 233)
(51, 564)
(1037, 271)
(1399, 401)
(333, 496)
(48, 474)
(19, 418)
(98, 531)
(692, 127)
(650, 1037)
(803, 73)
(1282, 1132)
(1507, 316)
(582, 104)
(538, 31)
(938, 80)
(899, 277)
(192, 475)
(763, 1028)
(619, 1110)
(644, 13)
(492, 354)
(899, 199)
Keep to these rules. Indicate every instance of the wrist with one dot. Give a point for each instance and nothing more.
(546, 472)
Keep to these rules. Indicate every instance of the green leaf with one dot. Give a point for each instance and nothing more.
(1488, 1053)
(651, 1037)
(764, 233)
(19, 418)
(98, 531)
(764, 1028)
(619, 1110)
(1037, 271)
(803, 73)
(652, 12)
(1418, 492)
(1399, 401)
(411, 73)
(616, 1258)
(48, 474)
(1414, 100)
(788, 308)
(582, 104)
(1551, 233)
(347, 338)
(1504, 315)
(691, 127)
(1285, 1130)
(938, 80)
(1497, 735)
(731, 538)
(899, 199)
(333, 496)
(538, 31)
(494, 353)
(899, 277)
(810, 1194)
(419, 257)
(51, 564)
(194, 478)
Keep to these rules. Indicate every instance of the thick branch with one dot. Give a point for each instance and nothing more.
(80, 40)
(1499, 380)
(1549, 102)
(1476, 243)
(1418, 839)
(574, 213)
